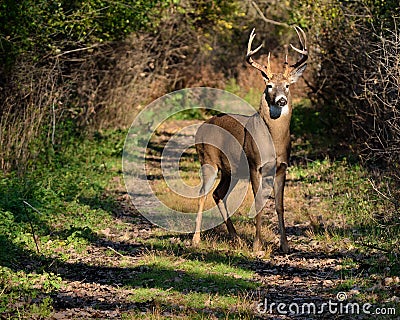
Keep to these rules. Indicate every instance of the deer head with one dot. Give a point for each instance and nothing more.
(277, 93)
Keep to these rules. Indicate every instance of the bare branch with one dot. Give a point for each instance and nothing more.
(265, 18)
(77, 50)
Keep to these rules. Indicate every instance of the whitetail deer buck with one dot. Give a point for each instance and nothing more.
(249, 132)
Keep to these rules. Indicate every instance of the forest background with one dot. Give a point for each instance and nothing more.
(71, 72)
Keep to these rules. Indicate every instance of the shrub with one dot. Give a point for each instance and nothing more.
(67, 65)
(355, 67)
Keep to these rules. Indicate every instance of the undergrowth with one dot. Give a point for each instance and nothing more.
(57, 211)
(48, 214)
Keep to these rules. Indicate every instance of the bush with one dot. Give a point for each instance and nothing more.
(355, 66)
(67, 65)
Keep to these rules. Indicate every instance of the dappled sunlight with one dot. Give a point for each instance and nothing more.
(77, 243)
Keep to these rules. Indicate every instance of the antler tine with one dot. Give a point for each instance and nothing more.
(303, 51)
(250, 53)
(286, 63)
(251, 38)
(301, 37)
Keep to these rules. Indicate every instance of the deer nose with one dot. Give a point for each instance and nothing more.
(281, 102)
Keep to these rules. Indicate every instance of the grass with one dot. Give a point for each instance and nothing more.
(335, 196)
(351, 206)
(66, 211)
(181, 280)
(76, 199)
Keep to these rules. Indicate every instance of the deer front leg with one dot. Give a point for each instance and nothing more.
(262, 183)
(279, 186)
(259, 205)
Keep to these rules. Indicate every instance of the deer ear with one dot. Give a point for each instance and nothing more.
(265, 77)
(296, 73)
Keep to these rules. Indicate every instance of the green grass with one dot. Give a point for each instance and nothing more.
(190, 282)
(74, 202)
(181, 280)
(188, 114)
(68, 194)
(350, 197)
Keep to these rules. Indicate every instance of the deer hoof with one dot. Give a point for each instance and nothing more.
(257, 246)
(236, 240)
(284, 247)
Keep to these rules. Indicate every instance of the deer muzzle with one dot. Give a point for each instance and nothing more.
(281, 101)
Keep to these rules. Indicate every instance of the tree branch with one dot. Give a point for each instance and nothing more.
(265, 18)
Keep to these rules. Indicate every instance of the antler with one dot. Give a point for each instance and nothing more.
(303, 51)
(266, 70)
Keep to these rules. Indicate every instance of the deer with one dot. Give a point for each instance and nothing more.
(254, 139)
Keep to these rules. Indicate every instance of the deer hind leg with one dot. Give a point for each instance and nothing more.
(220, 196)
(255, 178)
(208, 174)
(279, 186)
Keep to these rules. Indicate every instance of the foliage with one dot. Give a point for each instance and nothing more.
(68, 209)
(93, 63)
(41, 27)
(358, 79)
(53, 189)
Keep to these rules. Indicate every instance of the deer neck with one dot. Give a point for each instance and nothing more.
(278, 124)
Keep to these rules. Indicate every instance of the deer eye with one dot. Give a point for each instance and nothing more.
(269, 86)
(287, 86)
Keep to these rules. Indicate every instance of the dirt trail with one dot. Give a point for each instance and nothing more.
(94, 288)
(94, 280)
